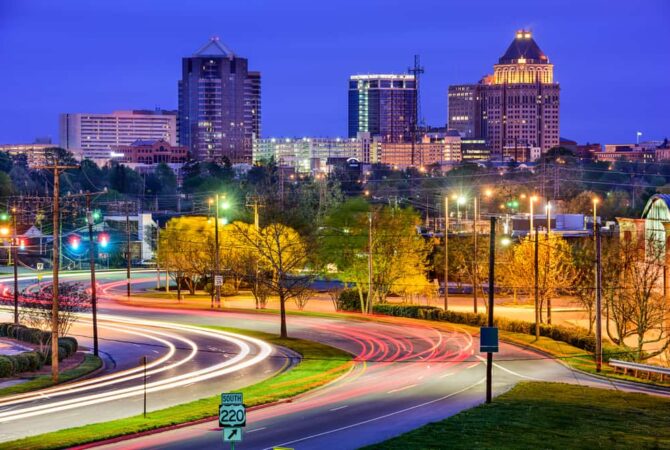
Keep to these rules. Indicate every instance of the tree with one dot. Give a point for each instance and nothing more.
(583, 254)
(555, 268)
(635, 301)
(282, 253)
(399, 252)
(35, 310)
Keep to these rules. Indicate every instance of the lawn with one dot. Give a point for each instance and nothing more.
(320, 365)
(88, 365)
(549, 416)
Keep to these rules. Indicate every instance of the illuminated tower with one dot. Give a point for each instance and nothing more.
(516, 109)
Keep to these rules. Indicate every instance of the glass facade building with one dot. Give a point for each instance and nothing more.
(384, 106)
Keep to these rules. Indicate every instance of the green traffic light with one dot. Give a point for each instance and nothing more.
(4, 216)
(96, 215)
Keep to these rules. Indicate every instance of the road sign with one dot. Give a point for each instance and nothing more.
(231, 416)
(232, 398)
(218, 280)
(232, 434)
(40, 266)
(488, 340)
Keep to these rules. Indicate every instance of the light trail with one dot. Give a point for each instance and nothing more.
(243, 359)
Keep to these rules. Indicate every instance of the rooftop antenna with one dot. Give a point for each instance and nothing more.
(416, 70)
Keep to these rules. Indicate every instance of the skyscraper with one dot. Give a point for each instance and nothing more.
(516, 109)
(383, 105)
(219, 104)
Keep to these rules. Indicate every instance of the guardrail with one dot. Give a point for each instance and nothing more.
(649, 369)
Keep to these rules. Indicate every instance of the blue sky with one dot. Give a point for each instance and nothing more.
(612, 58)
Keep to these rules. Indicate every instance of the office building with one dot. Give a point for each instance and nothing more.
(516, 110)
(384, 106)
(309, 154)
(35, 153)
(151, 152)
(94, 136)
(219, 104)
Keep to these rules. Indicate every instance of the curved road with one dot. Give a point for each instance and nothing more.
(407, 373)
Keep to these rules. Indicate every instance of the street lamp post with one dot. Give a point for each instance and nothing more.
(16, 270)
(475, 265)
(548, 217)
(595, 217)
(91, 254)
(531, 200)
(446, 252)
(217, 286)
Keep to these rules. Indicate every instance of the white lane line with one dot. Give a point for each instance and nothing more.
(472, 365)
(511, 371)
(430, 402)
(409, 386)
(421, 377)
(254, 430)
(339, 407)
(448, 374)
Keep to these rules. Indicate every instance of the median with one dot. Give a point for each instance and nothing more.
(320, 364)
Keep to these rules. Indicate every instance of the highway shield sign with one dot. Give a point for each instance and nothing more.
(231, 416)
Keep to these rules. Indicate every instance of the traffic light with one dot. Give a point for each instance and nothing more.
(96, 214)
(103, 240)
(4, 216)
(75, 242)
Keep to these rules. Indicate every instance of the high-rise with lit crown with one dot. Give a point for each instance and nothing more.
(219, 104)
(516, 109)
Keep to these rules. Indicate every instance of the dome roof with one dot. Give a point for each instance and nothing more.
(523, 49)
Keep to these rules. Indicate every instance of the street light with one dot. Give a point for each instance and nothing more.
(596, 200)
(548, 208)
(531, 200)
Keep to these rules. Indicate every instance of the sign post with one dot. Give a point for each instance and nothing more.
(232, 417)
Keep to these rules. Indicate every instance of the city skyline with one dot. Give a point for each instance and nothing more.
(142, 74)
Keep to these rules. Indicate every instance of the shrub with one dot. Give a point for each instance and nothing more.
(348, 300)
(3, 329)
(21, 362)
(69, 343)
(34, 360)
(6, 367)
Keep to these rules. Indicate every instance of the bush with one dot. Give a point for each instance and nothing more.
(3, 329)
(6, 367)
(69, 343)
(21, 362)
(348, 300)
(577, 337)
(34, 360)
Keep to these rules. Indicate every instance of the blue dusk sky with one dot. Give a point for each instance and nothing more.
(612, 57)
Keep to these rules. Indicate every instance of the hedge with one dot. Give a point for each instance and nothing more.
(348, 300)
(577, 337)
(22, 362)
(67, 346)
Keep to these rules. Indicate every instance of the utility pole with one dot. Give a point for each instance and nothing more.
(369, 309)
(475, 267)
(489, 355)
(537, 288)
(16, 269)
(599, 329)
(91, 254)
(128, 248)
(55, 262)
(446, 252)
(253, 202)
(217, 263)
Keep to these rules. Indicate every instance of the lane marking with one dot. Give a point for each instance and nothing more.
(339, 407)
(472, 365)
(511, 371)
(401, 389)
(447, 374)
(254, 430)
(430, 402)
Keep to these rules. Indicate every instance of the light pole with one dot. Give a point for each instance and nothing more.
(217, 285)
(475, 265)
(16, 270)
(548, 208)
(596, 200)
(91, 254)
(532, 200)
(446, 252)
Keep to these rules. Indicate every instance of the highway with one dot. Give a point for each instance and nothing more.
(407, 374)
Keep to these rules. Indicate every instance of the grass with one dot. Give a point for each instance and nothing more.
(172, 295)
(88, 365)
(320, 365)
(550, 416)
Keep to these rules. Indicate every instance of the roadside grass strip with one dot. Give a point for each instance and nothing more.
(549, 416)
(320, 364)
(89, 364)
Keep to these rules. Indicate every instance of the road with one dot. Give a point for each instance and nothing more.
(184, 363)
(407, 374)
